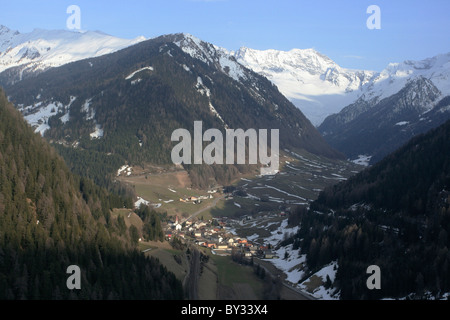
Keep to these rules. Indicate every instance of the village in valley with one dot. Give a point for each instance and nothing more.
(247, 223)
(216, 234)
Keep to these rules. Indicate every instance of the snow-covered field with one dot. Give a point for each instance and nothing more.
(290, 266)
(321, 292)
(290, 261)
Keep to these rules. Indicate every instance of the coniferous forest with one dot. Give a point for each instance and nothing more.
(395, 214)
(51, 219)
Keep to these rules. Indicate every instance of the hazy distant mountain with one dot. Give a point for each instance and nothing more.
(22, 54)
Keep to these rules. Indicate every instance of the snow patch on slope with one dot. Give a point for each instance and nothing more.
(131, 75)
(362, 160)
(98, 133)
(37, 115)
(212, 55)
(321, 292)
(205, 91)
(140, 201)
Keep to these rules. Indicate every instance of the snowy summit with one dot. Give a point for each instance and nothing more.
(43, 49)
(313, 82)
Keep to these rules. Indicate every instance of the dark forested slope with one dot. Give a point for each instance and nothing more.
(50, 219)
(395, 214)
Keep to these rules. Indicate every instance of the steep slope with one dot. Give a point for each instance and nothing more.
(51, 219)
(395, 215)
(397, 75)
(390, 123)
(317, 85)
(128, 103)
(411, 96)
(25, 54)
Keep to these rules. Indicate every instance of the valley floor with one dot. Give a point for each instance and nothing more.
(257, 213)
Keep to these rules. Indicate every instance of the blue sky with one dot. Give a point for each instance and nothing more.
(410, 30)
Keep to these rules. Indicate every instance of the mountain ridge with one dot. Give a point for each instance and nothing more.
(130, 101)
(316, 84)
(375, 128)
(321, 88)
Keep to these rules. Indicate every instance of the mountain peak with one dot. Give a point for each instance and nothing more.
(4, 29)
(420, 92)
(210, 54)
(317, 85)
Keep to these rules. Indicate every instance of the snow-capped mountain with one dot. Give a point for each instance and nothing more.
(313, 82)
(330, 96)
(394, 78)
(137, 96)
(364, 114)
(25, 53)
(396, 75)
(319, 87)
(402, 101)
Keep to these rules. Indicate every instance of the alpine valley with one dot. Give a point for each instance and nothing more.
(90, 180)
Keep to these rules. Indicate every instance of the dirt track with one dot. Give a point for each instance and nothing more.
(213, 204)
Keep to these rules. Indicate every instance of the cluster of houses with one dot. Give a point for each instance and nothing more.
(195, 199)
(198, 199)
(213, 234)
